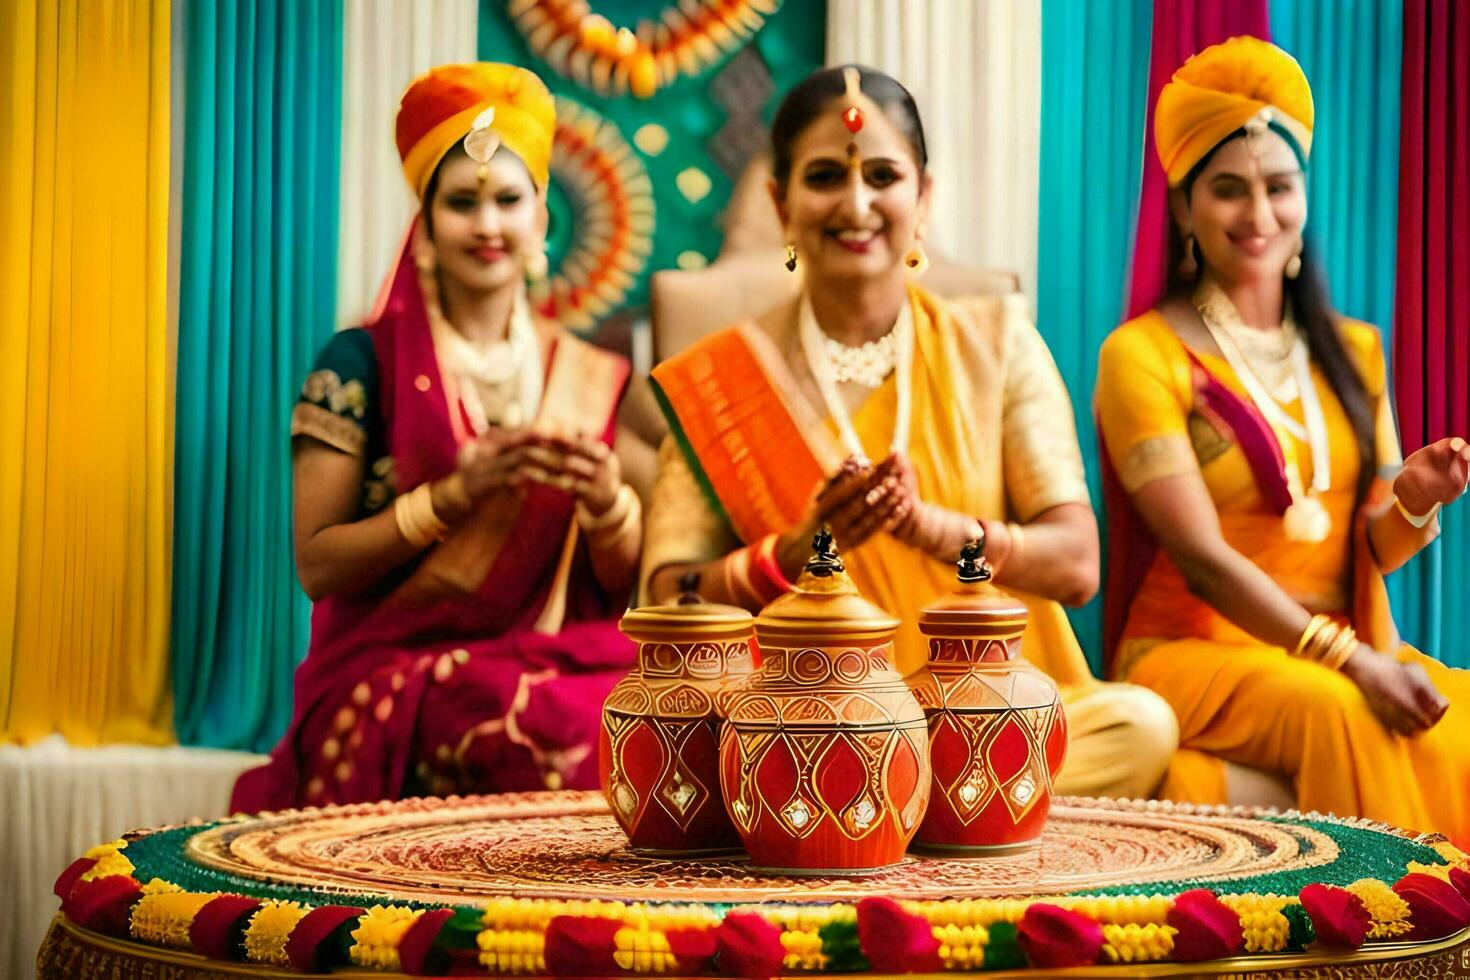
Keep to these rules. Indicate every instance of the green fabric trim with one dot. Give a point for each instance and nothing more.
(677, 430)
(1362, 853)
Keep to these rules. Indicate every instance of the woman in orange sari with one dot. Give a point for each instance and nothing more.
(777, 424)
(1256, 491)
(461, 523)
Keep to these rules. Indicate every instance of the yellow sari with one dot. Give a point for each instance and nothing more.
(991, 436)
(1237, 698)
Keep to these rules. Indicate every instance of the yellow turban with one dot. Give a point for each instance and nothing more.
(441, 106)
(1222, 88)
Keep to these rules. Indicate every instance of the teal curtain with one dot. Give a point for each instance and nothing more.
(1094, 83)
(257, 298)
(1352, 53)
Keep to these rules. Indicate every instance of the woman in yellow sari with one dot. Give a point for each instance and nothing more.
(776, 421)
(1250, 438)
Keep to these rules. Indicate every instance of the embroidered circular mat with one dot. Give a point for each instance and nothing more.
(566, 845)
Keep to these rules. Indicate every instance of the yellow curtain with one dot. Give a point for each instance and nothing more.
(86, 412)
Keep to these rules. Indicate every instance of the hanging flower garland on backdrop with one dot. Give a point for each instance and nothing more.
(613, 218)
(685, 38)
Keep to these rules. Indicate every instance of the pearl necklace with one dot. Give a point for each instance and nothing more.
(499, 382)
(816, 346)
(867, 365)
(1306, 519)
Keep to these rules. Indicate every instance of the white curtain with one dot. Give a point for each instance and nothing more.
(386, 44)
(56, 801)
(974, 67)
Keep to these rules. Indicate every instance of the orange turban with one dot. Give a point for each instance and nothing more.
(1222, 88)
(441, 106)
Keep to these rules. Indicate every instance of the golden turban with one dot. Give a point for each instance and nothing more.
(442, 106)
(1222, 88)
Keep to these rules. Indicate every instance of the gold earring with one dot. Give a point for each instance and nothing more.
(915, 260)
(1189, 265)
(790, 257)
(1294, 264)
(537, 265)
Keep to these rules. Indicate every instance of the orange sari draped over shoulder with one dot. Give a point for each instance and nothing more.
(991, 435)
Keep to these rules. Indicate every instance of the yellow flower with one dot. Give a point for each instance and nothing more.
(803, 949)
(1137, 943)
(1390, 912)
(375, 940)
(643, 951)
(512, 951)
(1266, 928)
(1122, 909)
(961, 946)
(1452, 854)
(158, 886)
(1440, 871)
(270, 927)
(109, 861)
(163, 917)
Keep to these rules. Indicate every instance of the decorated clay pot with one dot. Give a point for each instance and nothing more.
(824, 755)
(997, 734)
(658, 753)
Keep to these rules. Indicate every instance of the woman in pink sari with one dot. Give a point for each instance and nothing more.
(461, 521)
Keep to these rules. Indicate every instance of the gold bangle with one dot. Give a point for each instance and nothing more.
(604, 540)
(1310, 633)
(1342, 648)
(1018, 539)
(624, 500)
(1323, 642)
(414, 514)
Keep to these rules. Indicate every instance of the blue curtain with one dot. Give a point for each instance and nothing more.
(257, 299)
(1094, 83)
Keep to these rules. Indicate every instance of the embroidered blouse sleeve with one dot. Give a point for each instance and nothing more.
(337, 399)
(1041, 458)
(1142, 409)
(680, 525)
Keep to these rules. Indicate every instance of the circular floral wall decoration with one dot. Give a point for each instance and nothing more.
(612, 217)
(684, 39)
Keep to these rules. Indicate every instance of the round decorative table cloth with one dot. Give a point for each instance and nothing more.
(543, 884)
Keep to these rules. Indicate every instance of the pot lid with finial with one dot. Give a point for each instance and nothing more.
(824, 607)
(687, 617)
(975, 601)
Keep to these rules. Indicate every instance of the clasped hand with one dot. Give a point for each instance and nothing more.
(580, 465)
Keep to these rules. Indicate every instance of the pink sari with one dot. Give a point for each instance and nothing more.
(482, 665)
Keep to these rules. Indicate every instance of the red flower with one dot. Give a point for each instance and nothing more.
(1208, 929)
(896, 941)
(692, 947)
(1460, 878)
(218, 926)
(1435, 907)
(71, 876)
(1340, 917)
(416, 951)
(103, 904)
(578, 945)
(1054, 937)
(305, 945)
(746, 945)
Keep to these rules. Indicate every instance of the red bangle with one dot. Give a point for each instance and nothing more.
(768, 580)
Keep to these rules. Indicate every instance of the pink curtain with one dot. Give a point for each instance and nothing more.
(1431, 349)
(1181, 28)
